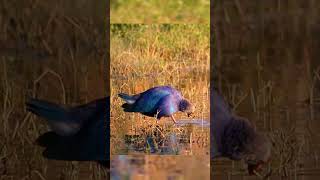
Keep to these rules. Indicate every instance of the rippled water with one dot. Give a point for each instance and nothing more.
(186, 137)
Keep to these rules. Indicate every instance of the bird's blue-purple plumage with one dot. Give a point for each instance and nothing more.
(80, 133)
(161, 101)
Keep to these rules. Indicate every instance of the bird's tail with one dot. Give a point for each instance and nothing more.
(46, 109)
(129, 99)
(58, 118)
(127, 107)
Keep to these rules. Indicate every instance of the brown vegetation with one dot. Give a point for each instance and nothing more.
(49, 51)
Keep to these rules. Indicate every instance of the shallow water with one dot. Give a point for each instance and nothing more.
(194, 122)
(186, 137)
(159, 167)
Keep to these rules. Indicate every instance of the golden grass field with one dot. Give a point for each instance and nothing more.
(144, 56)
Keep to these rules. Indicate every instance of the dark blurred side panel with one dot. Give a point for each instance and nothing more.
(57, 51)
(107, 80)
(265, 62)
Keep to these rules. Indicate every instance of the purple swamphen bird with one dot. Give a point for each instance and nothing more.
(79, 133)
(161, 101)
(235, 137)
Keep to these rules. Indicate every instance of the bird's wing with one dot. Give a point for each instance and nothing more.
(147, 102)
(89, 113)
(167, 105)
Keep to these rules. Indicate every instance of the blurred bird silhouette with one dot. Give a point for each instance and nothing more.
(235, 137)
(161, 101)
(79, 133)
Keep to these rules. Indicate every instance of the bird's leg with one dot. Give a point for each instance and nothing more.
(157, 119)
(173, 119)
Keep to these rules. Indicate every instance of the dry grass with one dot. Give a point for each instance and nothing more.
(51, 54)
(144, 56)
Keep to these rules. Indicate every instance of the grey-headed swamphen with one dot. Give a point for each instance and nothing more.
(79, 133)
(235, 137)
(161, 101)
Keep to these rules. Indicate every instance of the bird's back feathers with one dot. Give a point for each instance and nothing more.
(152, 100)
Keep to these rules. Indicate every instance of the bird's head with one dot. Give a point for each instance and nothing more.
(260, 154)
(187, 107)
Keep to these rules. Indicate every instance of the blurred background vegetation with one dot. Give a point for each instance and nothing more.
(159, 11)
(266, 63)
(54, 51)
